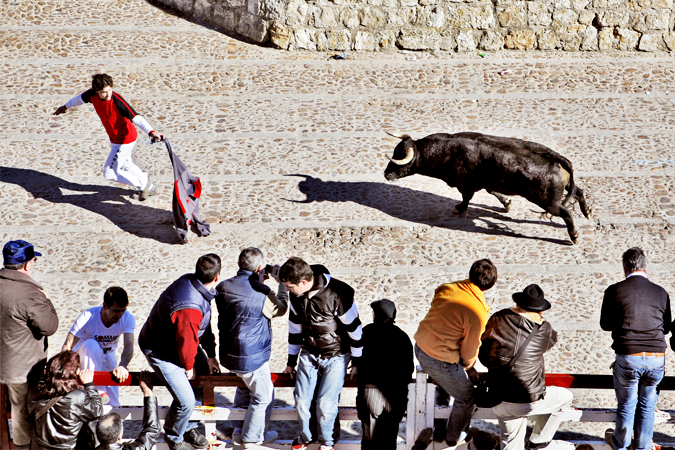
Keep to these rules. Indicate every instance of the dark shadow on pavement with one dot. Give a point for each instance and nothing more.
(108, 201)
(416, 206)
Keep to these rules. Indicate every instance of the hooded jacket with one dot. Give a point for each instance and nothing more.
(27, 317)
(505, 331)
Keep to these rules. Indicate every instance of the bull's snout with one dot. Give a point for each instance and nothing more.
(391, 176)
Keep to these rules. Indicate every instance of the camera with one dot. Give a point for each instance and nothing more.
(271, 270)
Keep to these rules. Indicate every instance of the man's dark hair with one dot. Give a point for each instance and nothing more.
(483, 274)
(109, 428)
(18, 266)
(250, 259)
(207, 268)
(116, 295)
(60, 375)
(295, 270)
(101, 80)
(634, 259)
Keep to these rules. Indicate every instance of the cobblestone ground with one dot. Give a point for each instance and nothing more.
(291, 150)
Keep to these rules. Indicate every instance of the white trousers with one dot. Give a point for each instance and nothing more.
(547, 414)
(93, 357)
(120, 166)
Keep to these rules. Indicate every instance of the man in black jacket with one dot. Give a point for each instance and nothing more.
(522, 387)
(387, 366)
(109, 429)
(324, 333)
(637, 312)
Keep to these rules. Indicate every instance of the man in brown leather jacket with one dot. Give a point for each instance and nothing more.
(109, 430)
(522, 387)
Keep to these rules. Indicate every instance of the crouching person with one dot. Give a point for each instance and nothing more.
(109, 429)
(522, 386)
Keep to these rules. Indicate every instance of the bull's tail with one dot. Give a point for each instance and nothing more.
(571, 187)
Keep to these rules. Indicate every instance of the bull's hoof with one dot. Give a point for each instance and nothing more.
(507, 206)
(458, 211)
(588, 213)
(574, 237)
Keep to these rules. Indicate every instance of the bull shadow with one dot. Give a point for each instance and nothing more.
(416, 206)
(108, 201)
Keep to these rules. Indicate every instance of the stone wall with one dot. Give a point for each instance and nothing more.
(454, 25)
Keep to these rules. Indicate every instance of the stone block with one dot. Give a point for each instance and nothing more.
(562, 4)
(657, 20)
(418, 39)
(430, 16)
(613, 19)
(478, 17)
(586, 17)
(373, 18)
(514, 15)
(324, 17)
(627, 39)
(253, 7)
(405, 3)
(253, 27)
(338, 40)
(202, 10)
(571, 40)
(280, 36)
(539, 14)
(349, 18)
(662, 4)
(669, 38)
(321, 41)
(520, 40)
(466, 41)
(365, 41)
(589, 42)
(492, 41)
(401, 16)
(387, 40)
(607, 4)
(579, 5)
(304, 39)
(650, 42)
(563, 17)
(226, 19)
(272, 9)
(296, 13)
(547, 39)
(182, 5)
(428, 2)
(606, 39)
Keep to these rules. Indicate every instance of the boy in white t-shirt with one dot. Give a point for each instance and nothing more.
(95, 335)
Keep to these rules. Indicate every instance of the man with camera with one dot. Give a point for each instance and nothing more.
(246, 307)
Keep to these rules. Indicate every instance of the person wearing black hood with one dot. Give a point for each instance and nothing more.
(386, 368)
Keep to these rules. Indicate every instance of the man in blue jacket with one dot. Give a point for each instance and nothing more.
(245, 309)
(170, 339)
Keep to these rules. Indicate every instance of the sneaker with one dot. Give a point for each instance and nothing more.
(609, 434)
(177, 445)
(236, 436)
(149, 191)
(326, 447)
(298, 445)
(105, 398)
(196, 439)
(466, 440)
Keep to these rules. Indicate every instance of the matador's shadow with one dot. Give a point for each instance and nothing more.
(108, 201)
(416, 206)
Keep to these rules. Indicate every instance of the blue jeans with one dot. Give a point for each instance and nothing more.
(635, 380)
(257, 396)
(177, 419)
(455, 381)
(332, 372)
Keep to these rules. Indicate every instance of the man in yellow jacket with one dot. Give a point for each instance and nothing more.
(448, 339)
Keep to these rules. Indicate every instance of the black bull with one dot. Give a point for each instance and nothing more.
(502, 166)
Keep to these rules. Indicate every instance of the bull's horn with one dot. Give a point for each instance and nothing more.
(408, 157)
(397, 136)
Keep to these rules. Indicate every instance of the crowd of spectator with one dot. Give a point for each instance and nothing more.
(55, 404)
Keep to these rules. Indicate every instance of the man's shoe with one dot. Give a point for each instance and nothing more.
(609, 434)
(236, 436)
(467, 439)
(149, 191)
(326, 447)
(196, 439)
(177, 445)
(298, 445)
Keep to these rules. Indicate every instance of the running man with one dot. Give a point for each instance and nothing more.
(118, 118)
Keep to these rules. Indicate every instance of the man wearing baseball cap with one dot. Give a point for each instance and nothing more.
(27, 317)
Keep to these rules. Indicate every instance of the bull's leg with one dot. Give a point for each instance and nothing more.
(564, 213)
(585, 209)
(466, 198)
(503, 199)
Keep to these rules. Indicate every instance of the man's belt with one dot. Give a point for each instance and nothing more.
(656, 355)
